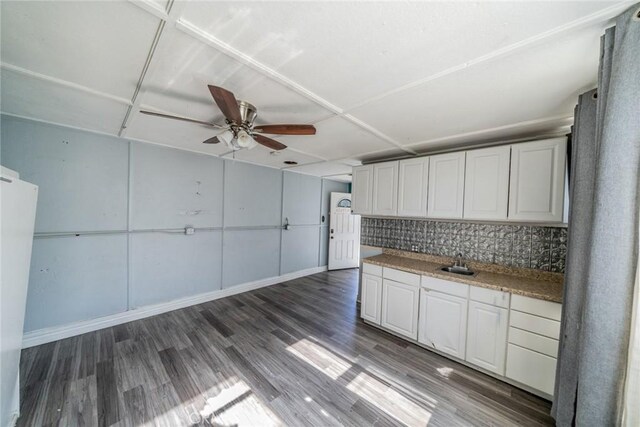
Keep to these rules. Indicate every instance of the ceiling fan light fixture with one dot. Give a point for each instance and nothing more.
(226, 137)
(245, 140)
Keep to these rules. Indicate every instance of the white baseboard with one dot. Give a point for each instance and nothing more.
(43, 336)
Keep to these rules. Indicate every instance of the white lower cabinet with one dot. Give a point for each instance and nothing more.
(531, 368)
(487, 336)
(400, 308)
(534, 330)
(443, 322)
(512, 336)
(371, 298)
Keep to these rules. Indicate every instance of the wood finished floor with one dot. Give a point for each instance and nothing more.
(294, 354)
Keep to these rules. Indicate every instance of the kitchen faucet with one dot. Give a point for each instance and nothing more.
(458, 261)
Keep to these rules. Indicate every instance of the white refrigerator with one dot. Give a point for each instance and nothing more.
(17, 218)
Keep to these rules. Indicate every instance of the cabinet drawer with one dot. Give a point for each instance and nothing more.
(530, 368)
(401, 276)
(489, 296)
(445, 286)
(534, 342)
(548, 309)
(367, 268)
(539, 325)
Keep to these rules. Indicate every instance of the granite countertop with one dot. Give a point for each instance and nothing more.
(530, 283)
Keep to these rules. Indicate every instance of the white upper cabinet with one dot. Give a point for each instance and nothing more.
(362, 190)
(446, 185)
(412, 187)
(536, 190)
(486, 190)
(385, 188)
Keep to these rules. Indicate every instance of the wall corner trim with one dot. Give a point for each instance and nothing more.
(46, 335)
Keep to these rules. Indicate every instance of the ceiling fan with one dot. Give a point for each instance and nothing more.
(240, 131)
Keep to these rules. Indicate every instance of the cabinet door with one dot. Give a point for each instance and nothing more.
(446, 185)
(487, 336)
(443, 322)
(385, 188)
(362, 190)
(536, 191)
(371, 298)
(412, 187)
(486, 188)
(531, 368)
(400, 308)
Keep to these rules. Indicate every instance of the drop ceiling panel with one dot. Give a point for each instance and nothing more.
(327, 169)
(101, 45)
(336, 138)
(351, 51)
(188, 136)
(262, 156)
(186, 66)
(29, 97)
(531, 85)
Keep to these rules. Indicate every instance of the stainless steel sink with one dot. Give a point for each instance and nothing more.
(458, 270)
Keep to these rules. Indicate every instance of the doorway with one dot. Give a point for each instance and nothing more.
(344, 233)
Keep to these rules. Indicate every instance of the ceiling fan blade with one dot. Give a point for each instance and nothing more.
(286, 129)
(227, 103)
(184, 119)
(213, 140)
(269, 143)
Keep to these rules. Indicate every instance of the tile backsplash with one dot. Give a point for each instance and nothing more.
(542, 248)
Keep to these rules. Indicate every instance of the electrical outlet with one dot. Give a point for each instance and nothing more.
(414, 248)
(189, 230)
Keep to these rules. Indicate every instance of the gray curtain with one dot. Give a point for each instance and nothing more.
(602, 249)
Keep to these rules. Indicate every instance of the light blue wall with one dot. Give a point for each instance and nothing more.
(111, 211)
(300, 248)
(76, 278)
(250, 254)
(172, 188)
(301, 199)
(252, 195)
(167, 266)
(82, 180)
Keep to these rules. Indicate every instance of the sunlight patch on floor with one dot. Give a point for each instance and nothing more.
(445, 372)
(394, 378)
(236, 405)
(320, 358)
(389, 400)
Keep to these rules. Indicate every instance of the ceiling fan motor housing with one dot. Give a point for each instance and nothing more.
(248, 112)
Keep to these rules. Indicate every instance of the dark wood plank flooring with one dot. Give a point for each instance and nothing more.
(294, 354)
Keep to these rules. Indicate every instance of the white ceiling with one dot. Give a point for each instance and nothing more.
(378, 79)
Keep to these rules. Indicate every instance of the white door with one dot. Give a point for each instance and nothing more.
(536, 190)
(18, 202)
(412, 187)
(486, 189)
(487, 336)
(344, 233)
(362, 189)
(446, 185)
(371, 299)
(385, 188)
(400, 308)
(443, 322)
